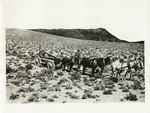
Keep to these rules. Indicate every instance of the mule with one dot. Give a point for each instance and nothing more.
(66, 61)
(94, 63)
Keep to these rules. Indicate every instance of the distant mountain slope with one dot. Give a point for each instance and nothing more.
(99, 34)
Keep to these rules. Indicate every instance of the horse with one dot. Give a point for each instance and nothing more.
(66, 61)
(94, 63)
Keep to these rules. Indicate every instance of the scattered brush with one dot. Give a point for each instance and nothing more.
(75, 76)
(121, 87)
(50, 89)
(108, 82)
(33, 98)
(92, 79)
(84, 96)
(10, 70)
(60, 73)
(43, 87)
(30, 89)
(131, 97)
(9, 77)
(121, 84)
(142, 92)
(88, 93)
(125, 90)
(62, 80)
(28, 67)
(97, 87)
(44, 96)
(73, 96)
(128, 86)
(21, 75)
(13, 96)
(114, 79)
(57, 89)
(17, 83)
(110, 86)
(86, 81)
(22, 68)
(68, 87)
(55, 96)
(24, 90)
(136, 87)
(107, 92)
(77, 85)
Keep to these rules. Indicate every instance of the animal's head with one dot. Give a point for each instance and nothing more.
(107, 61)
(100, 61)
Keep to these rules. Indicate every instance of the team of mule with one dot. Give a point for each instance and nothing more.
(76, 61)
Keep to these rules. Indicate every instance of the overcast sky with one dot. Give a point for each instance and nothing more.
(125, 19)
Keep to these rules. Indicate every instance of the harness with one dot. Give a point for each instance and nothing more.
(70, 61)
(93, 62)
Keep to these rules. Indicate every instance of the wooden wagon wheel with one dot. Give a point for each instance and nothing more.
(50, 65)
(37, 61)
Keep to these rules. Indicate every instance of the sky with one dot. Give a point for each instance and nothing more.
(125, 19)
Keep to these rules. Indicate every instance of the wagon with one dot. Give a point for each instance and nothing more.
(48, 60)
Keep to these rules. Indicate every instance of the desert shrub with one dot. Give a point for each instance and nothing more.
(42, 79)
(60, 73)
(20, 56)
(125, 90)
(92, 79)
(23, 95)
(86, 81)
(44, 96)
(33, 98)
(84, 96)
(128, 86)
(142, 92)
(30, 89)
(50, 89)
(97, 88)
(24, 90)
(88, 93)
(17, 83)
(73, 96)
(55, 96)
(62, 80)
(109, 86)
(131, 97)
(121, 87)
(20, 74)
(93, 96)
(50, 100)
(64, 101)
(121, 84)
(57, 89)
(9, 76)
(10, 70)
(107, 92)
(43, 87)
(68, 93)
(13, 96)
(114, 79)
(136, 87)
(28, 67)
(108, 82)
(75, 75)
(22, 68)
(68, 87)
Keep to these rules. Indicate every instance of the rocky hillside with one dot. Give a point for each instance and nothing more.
(99, 34)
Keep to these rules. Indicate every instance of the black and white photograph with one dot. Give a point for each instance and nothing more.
(75, 51)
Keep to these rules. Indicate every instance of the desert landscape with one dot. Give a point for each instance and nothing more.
(30, 83)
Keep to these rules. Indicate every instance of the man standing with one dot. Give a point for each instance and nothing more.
(78, 58)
